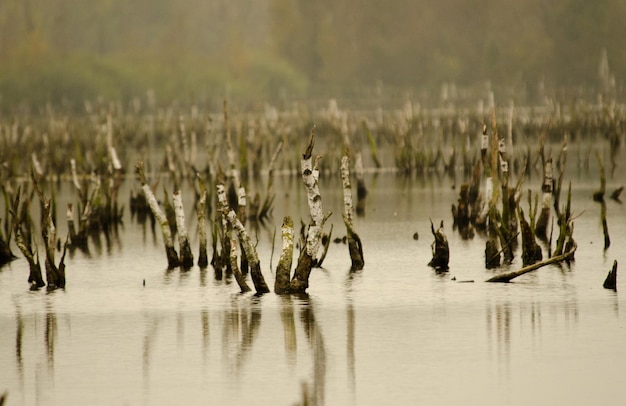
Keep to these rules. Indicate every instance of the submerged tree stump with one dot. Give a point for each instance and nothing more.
(354, 241)
(203, 260)
(306, 260)
(440, 249)
(170, 250)
(283, 270)
(186, 256)
(531, 251)
(246, 242)
(611, 279)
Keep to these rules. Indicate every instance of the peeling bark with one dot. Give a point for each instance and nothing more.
(186, 256)
(172, 255)
(354, 241)
(246, 243)
(283, 270)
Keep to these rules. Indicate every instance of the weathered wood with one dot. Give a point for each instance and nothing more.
(440, 248)
(245, 240)
(172, 256)
(203, 261)
(354, 241)
(611, 279)
(283, 269)
(531, 251)
(598, 196)
(239, 277)
(507, 277)
(186, 256)
(306, 260)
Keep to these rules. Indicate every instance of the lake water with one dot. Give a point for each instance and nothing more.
(395, 333)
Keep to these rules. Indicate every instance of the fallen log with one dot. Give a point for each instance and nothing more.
(508, 276)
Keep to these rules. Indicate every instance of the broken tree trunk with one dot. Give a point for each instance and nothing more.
(203, 261)
(354, 241)
(544, 216)
(440, 249)
(531, 251)
(598, 196)
(170, 250)
(246, 243)
(310, 176)
(54, 275)
(283, 270)
(507, 277)
(186, 256)
(611, 279)
(361, 190)
(239, 277)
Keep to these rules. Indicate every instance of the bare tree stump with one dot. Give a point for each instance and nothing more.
(170, 250)
(354, 241)
(186, 256)
(306, 260)
(440, 249)
(283, 270)
(611, 279)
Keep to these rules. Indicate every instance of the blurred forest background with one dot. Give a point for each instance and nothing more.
(192, 50)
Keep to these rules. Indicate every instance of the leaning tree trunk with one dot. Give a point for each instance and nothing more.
(354, 241)
(170, 250)
(245, 240)
(306, 260)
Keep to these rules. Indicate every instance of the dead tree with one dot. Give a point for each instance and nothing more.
(354, 241)
(531, 251)
(246, 243)
(201, 215)
(186, 256)
(55, 275)
(283, 270)
(170, 250)
(306, 260)
(611, 279)
(598, 196)
(440, 249)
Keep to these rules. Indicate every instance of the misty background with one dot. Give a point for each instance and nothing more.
(195, 50)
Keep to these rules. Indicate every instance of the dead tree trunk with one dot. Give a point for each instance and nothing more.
(310, 176)
(283, 270)
(248, 248)
(239, 277)
(354, 241)
(170, 250)
(186, 256)
(55, 276)
(611, 279)
(440, 249)
(531, 251)
(598, 196)
(544, 216)
(507, 277)
(203, 261)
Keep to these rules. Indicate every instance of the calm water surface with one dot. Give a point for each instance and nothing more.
(394, 333)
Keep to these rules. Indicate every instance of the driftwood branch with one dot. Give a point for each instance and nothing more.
(507, 277)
